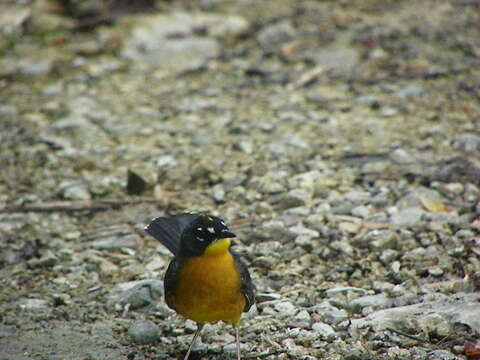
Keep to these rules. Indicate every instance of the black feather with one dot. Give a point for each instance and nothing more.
(169, 230)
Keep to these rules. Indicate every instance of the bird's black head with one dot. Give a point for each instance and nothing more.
(201, 233)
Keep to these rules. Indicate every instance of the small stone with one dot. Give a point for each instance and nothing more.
(388, 255)
(285, 309)
(342, 247)
(166, 161)
(48, 260)
(219, 193)
(330, 314)
(294, 198)
(442, 355)
(324, 331)
(74, 191)
(34, 304)
(435, 271)
(379, 301)
(155, 264)
(138, 294)
(408, 217)
(401, 156)
(410, 91)
(350, 227)
(36, 67)
(302, 319)
(276, 34)
(467, 142)
(303, 231)
(361, 211)
(144, 332)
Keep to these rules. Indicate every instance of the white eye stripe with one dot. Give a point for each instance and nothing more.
(200, 239)
(199, 228)
(211, 230)
(223, 223)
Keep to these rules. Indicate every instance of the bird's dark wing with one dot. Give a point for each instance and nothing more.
(170, 281)
(246, 284)
(169, 230)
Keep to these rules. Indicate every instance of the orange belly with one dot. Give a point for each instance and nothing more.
(208, 289)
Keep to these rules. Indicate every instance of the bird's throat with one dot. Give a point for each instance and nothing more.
(217, 247)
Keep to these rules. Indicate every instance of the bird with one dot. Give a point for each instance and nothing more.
(206, 281)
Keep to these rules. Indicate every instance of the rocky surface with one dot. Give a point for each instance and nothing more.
(339, 140)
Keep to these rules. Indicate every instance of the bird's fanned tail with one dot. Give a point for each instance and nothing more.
(169, 230)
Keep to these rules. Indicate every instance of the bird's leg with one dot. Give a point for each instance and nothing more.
(238, 342)
(199, 328)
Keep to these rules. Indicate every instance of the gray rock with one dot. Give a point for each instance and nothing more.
(342, 59)
(408, 217)
(388, 255)
(75, 191)
(361, 211)
(295, 198)
(166, 161)
(463, 308)
(172, 54)
(170, 41)
(285, 309)
(324, 331)
(299, 230)
(35, 67)
(371, 100)
(276, 34)
(112, 237)
(144, 332)
(330, 314)
(219, 193)
(301, 320)
(401, 156)
(410, 91)
(467, 142)
(138, 294)
(442, 355)
(48, 260)
(34, 304)
(378, 301)
(378, 239)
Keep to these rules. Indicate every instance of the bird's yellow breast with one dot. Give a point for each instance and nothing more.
(208, 287)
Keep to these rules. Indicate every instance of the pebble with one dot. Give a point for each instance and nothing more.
(299, 230)
(467, 142)
(35, 67)
(401, 156)
(75, 191)
(34, 304)
(47, 260)
(442, 355)
(378, 301)
(408, 217)
(330, 314)
(324, 331)
(301, 320)
(294, 198)
(144, 332)
(388, 255)
(155, 264)
(138, 294)
(285, 309)
(275, 34)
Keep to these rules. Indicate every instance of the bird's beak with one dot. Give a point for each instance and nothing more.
(228, 234)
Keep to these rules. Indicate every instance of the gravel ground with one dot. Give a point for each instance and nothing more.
(340, 142)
